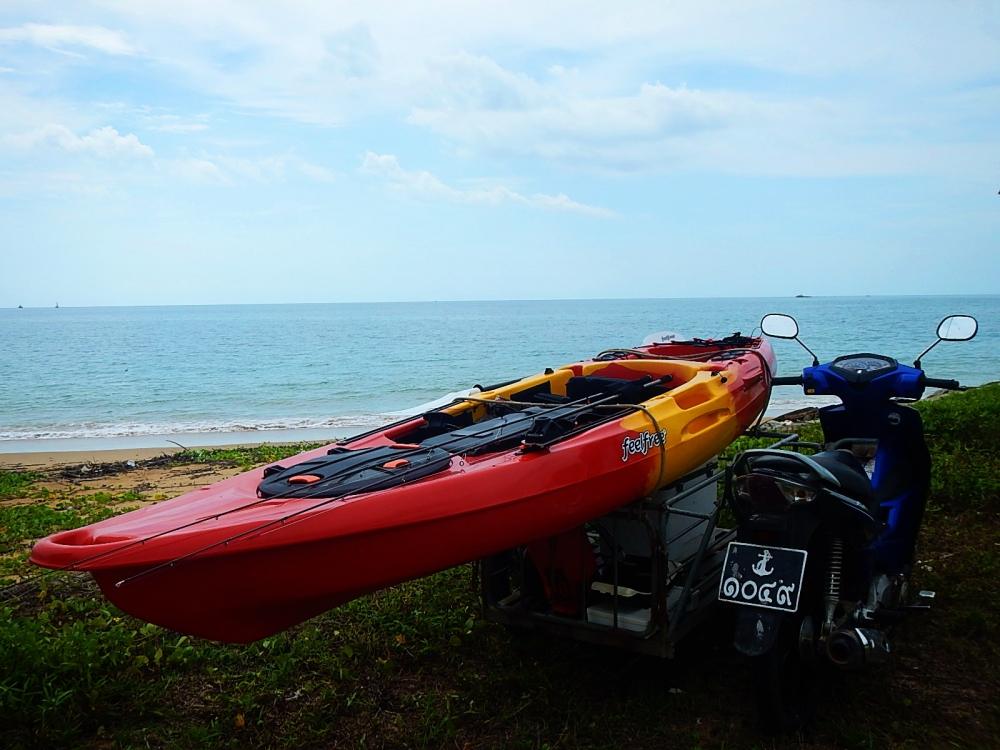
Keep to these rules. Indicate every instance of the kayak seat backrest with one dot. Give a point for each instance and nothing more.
(492, 433)
(540, 392)
(501, 433)
(436, 423)
(550, 398)
(627, 391)
(352, 471)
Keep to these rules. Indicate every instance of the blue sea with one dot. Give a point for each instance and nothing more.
(259, 372)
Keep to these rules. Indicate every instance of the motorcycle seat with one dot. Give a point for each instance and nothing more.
(850, 473)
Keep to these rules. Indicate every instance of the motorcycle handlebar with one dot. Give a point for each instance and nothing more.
(951, 385)
(788, 380)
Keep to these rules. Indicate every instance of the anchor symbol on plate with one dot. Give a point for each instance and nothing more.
(760, 567)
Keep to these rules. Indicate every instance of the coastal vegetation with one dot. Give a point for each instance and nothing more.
(416, 665)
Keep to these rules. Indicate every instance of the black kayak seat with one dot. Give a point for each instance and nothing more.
(628, 391)
(498, 432)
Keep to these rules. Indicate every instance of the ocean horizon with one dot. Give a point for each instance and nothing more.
(132, 376)
(59, 306)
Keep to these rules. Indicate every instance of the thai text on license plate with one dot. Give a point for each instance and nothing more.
(761, 576)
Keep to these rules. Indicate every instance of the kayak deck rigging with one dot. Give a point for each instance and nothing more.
(430, 447)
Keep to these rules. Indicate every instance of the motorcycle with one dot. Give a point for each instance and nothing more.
(820, 570)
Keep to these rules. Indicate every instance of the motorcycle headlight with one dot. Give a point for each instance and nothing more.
(761, 493)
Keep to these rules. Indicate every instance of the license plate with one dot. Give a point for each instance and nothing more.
(763, 576)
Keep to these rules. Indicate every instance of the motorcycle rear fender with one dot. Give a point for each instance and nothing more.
(756, 630)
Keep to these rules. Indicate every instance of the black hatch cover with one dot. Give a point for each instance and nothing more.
(342, 473)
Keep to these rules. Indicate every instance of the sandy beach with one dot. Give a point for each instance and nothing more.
(174, 441)
(30, 460)
(43, 460)
(118, 471)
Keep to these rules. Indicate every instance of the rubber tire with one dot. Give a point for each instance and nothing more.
(785, 684)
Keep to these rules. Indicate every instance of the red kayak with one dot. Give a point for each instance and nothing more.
(252, 555)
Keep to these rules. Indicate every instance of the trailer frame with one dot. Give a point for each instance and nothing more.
(683, 590)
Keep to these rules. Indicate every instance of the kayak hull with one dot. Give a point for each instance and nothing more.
(220, 596)
(222, 563)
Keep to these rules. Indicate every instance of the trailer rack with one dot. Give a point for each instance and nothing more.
(647, 574)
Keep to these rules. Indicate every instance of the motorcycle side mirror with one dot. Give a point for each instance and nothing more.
(957, 328)
(780, 326)
(952, 328)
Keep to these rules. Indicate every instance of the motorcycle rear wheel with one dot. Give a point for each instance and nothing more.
(785, 680)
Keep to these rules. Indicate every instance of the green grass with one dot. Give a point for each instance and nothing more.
(14, 484)
(23, 523)
(245, 457)
(962, 430)
(31, 521)
(415, 665)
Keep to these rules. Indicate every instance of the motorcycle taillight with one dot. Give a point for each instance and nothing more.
(761, 493)
(757, 493)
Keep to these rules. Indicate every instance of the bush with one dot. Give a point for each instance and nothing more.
(962, 430)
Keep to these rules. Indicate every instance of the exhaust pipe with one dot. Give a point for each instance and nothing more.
(854, 648)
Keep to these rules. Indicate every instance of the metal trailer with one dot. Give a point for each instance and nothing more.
(660, 560)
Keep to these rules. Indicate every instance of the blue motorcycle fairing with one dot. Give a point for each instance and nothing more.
(900, 382)
(902, 463)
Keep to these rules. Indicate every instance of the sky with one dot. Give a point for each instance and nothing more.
(191, 152)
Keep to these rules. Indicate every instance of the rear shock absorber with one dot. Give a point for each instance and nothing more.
(834, 571)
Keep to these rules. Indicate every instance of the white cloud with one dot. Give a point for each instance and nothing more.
(107, 144)
(315, 172)
(223, 169)
(428, 186)
(197, 170)
(483, 106)
(180, 128)
(557, 117)
(104, 142)
(381, 37)
(51, 182)
(158, 119)
(776, 87)
(54, 36)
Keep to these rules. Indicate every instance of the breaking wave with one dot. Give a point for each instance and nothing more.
(348, 423)
(352, 423)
